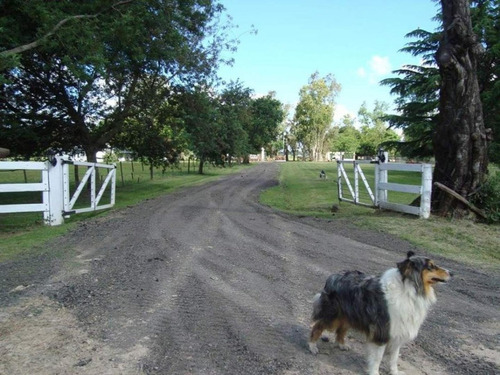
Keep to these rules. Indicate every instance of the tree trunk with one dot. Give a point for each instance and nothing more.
(460, 141)
(151, 169)
(77, 175)
(91, 153)
(200, 168)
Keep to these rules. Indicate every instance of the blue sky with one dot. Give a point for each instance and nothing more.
(355, 40)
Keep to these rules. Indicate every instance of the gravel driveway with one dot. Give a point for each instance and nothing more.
(207, 281)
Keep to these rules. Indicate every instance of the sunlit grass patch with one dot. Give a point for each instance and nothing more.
(302, 192)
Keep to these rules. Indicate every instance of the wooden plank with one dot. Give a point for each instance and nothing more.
(90, 209)
(29, 165)
(23, 187)
(11, 208)
(403, 188)
(97, 165)
(401, 167)
(357, 203)
(400, 208)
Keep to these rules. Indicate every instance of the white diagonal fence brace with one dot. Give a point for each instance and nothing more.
(379, 199)
(57, 200)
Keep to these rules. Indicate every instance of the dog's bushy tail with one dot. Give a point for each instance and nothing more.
(325, 307)
(316, 307)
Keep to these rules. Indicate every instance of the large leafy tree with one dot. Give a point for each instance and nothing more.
(485, 16)
(78, 86)
(152, 133)
(314, 113)
(221, 126)
(347, 137)
(417, 88)
(235, 107)
(197, 110)
(267, 117)
(374, 131)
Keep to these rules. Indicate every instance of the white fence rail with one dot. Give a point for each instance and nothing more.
(379, 199)
(57, 201)
(42, 187)
(424, 189)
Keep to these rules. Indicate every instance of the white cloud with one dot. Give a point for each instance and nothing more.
(380, 65)
(377, 67)
(341, 111)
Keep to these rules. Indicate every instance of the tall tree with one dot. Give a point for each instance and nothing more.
(374, 130)
(418, 86)
(418, 97)
(348, 138)
(314, 113)
(236, 118)
(78, 86)
(460, 142)
(486, 23)
(198, 111)
(267, 116)
(151, 132)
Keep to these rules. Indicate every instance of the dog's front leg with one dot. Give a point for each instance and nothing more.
(393, 359)
(375, 354)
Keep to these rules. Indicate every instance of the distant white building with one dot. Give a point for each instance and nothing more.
(339, 155)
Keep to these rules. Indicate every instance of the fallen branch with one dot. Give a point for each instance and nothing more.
(454, 194)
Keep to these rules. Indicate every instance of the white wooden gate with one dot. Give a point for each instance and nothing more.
(379, 197)
(95, 196)
(58, 201)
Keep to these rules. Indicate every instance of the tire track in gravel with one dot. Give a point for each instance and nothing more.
(207, 284)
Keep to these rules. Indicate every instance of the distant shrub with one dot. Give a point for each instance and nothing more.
(110, 158)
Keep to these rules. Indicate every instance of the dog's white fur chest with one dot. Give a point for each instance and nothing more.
(407, 309)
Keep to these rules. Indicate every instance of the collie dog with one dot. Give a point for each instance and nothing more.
(388, 309)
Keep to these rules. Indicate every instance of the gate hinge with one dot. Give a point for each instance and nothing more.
(68, 213)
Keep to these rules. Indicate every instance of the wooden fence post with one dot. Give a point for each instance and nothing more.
(425, 198)
(55, 196)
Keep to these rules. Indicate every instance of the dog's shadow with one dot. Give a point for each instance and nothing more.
(329, 356)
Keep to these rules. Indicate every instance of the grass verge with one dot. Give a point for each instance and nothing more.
(302, 192)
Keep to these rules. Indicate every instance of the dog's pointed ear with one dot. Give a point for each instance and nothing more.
(404, 266)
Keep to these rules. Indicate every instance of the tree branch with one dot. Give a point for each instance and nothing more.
(36, 43)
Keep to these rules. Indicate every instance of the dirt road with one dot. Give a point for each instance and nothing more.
(207, 281)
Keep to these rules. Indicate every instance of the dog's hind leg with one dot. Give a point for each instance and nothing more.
(316, 331)
(340, 336)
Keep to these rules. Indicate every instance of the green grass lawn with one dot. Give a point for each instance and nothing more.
(302, 192)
